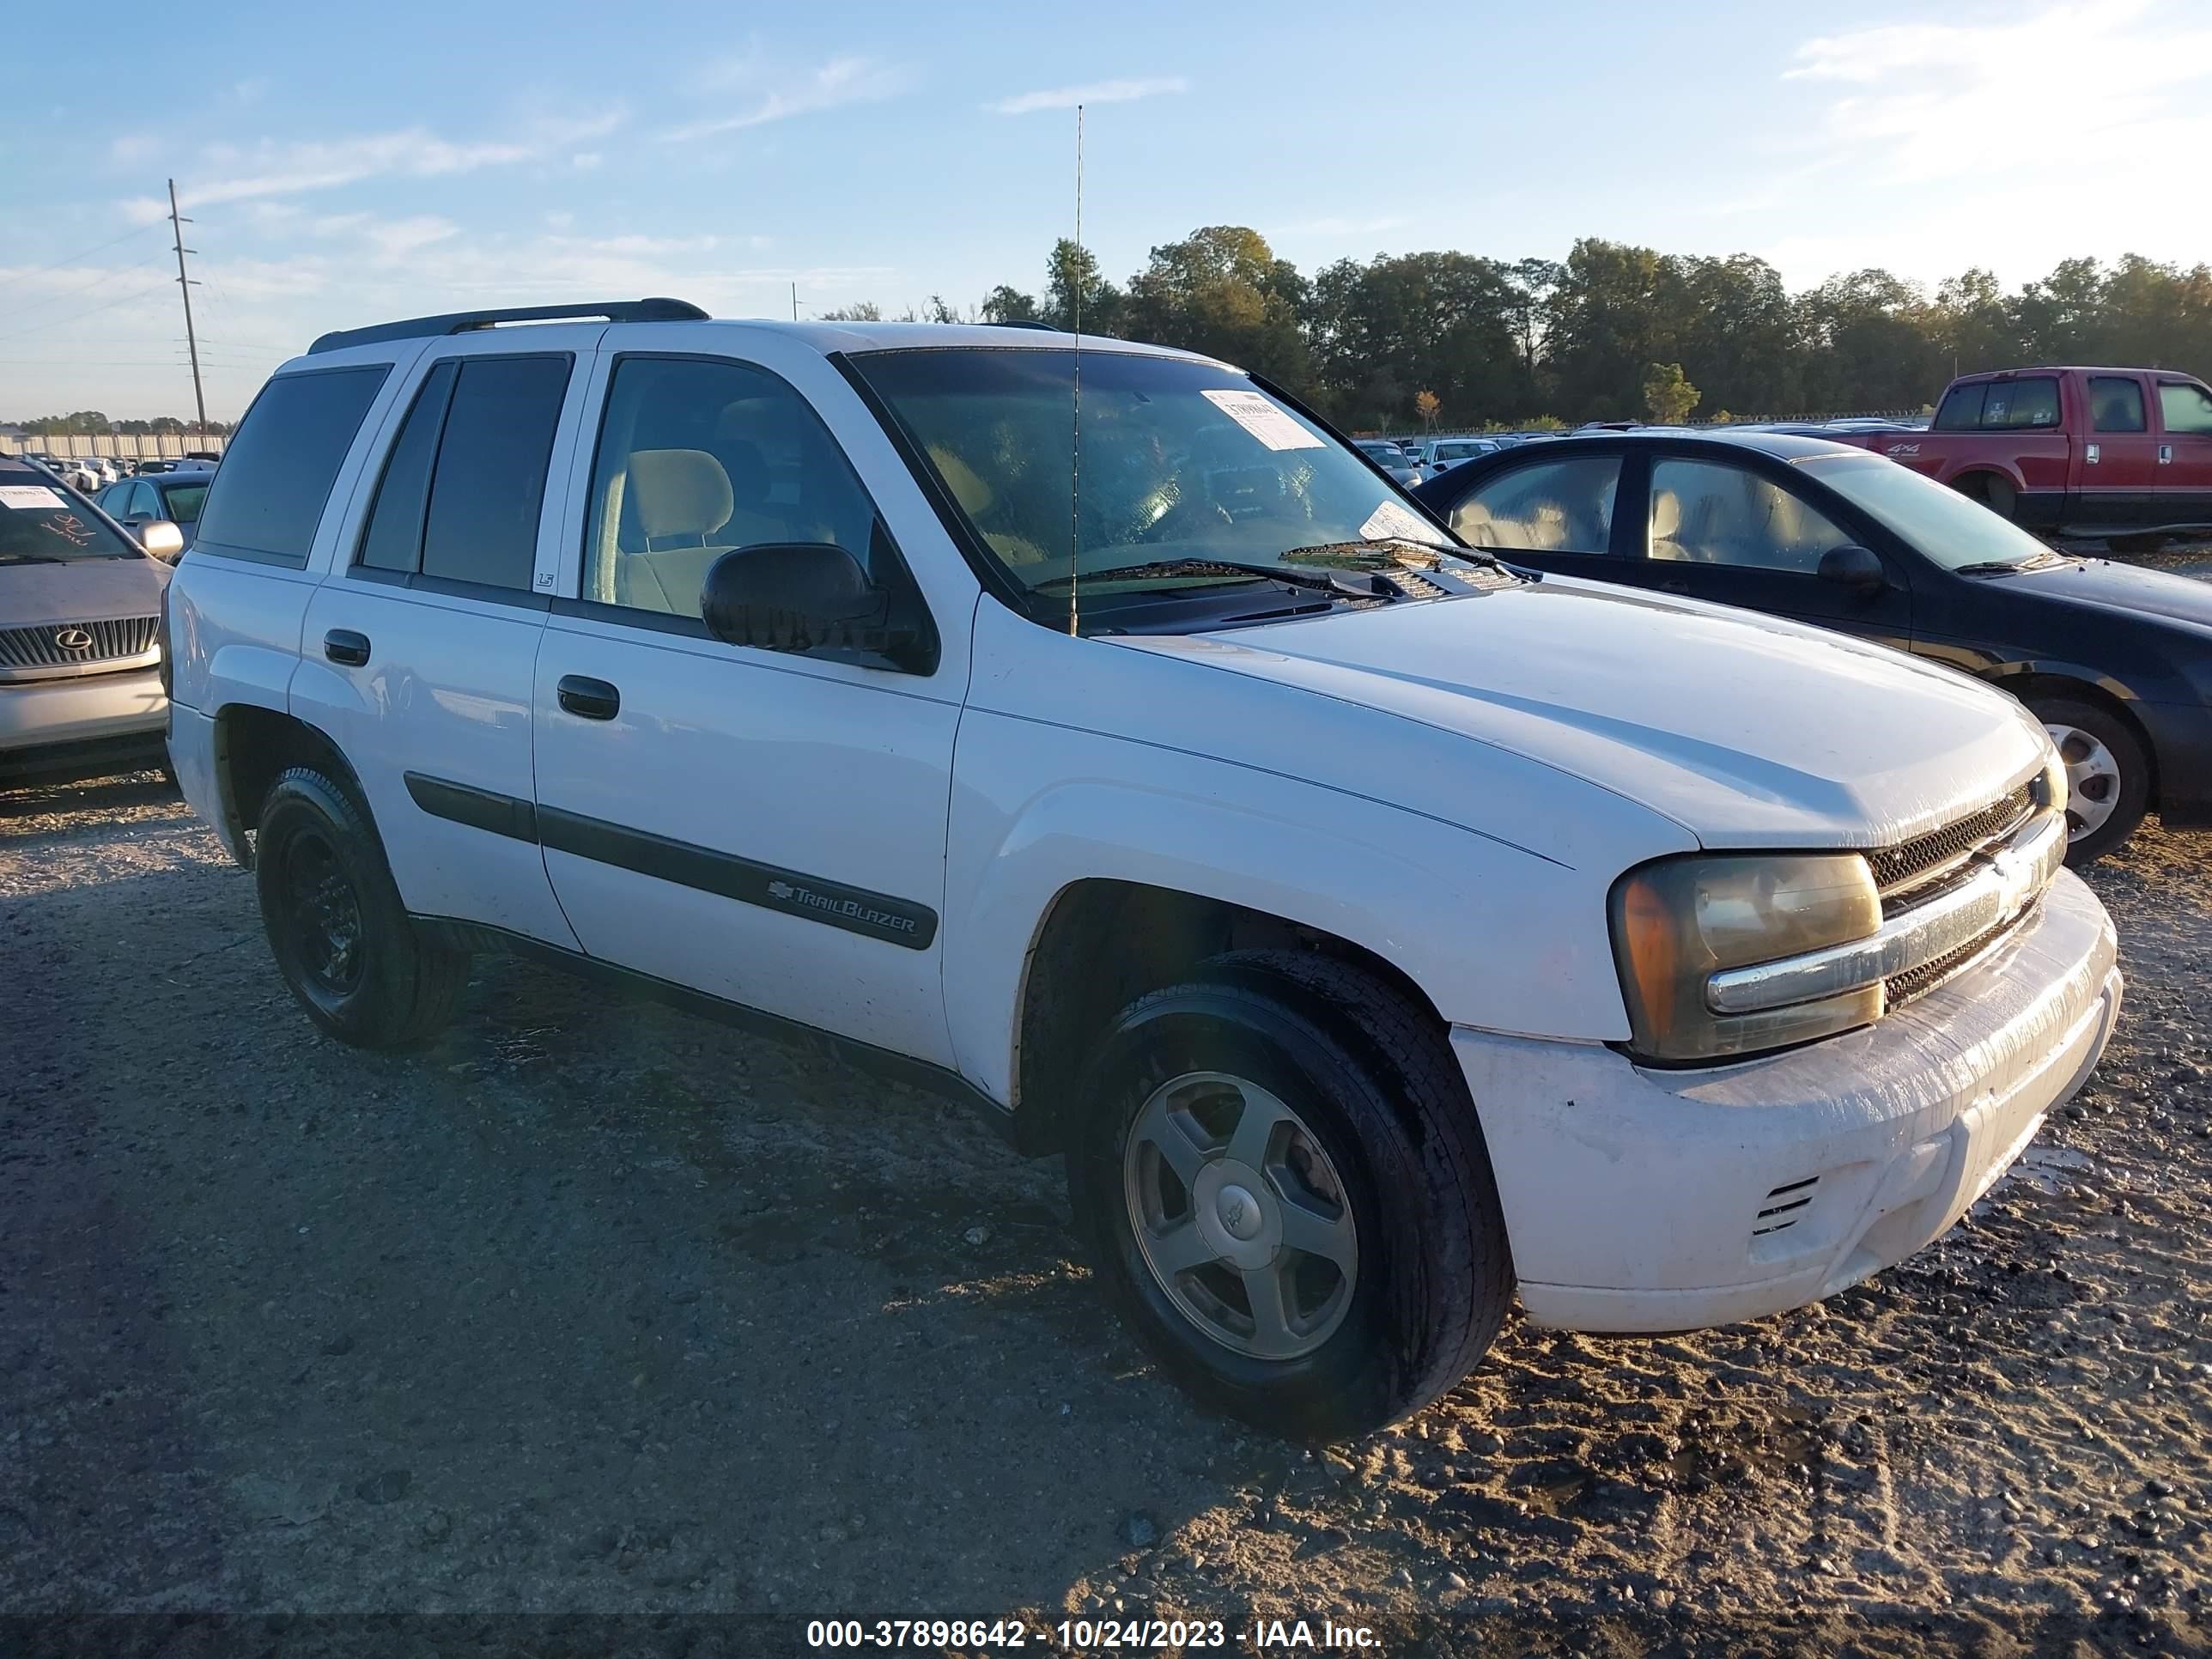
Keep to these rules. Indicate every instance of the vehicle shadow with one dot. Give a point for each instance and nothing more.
(124, 791)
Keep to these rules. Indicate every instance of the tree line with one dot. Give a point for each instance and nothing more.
(91, 423)
(1613, 331)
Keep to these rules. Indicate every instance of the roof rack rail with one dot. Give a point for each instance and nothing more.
(1030, 322)
(464, 322)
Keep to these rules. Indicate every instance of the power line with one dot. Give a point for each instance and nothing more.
(39, 328)
(58, 264)
(18, 314)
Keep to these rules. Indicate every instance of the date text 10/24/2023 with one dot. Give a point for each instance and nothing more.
(1090, 1635)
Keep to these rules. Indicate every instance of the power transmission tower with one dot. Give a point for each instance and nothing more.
(185, 286)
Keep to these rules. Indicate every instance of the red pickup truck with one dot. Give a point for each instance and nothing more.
(2091, 452)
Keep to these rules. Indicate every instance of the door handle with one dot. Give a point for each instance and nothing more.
(589, 699)
(344, 646)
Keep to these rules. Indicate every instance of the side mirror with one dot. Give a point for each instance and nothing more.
(806, 596)
(161, 539)
(1859, 568)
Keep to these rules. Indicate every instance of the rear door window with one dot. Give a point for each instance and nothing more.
(488, 481)
(1561, 506)
(267, 499)
(2116, 403)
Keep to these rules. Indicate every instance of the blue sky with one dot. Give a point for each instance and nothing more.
(340, 175)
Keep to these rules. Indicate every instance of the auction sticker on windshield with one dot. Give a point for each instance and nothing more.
(1263, 419)
(29, 496)
(1391, 520)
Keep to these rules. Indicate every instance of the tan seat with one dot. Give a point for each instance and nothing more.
(682, 501)
(1667, 526)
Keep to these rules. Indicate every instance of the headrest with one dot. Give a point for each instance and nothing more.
(1666, 515)
(679, 492)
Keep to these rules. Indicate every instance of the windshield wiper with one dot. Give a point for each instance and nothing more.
(1321, 582)
(2006, 567)
(30, 558)
(1387, 553)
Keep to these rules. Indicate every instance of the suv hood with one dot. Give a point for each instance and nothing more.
(1746, 730)
(82, 590)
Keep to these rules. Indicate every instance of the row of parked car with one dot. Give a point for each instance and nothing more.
(1384, 919)
(90, 472)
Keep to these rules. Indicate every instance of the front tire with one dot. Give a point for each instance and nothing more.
(2107, 775)
(342, 938)
(1284, 1188)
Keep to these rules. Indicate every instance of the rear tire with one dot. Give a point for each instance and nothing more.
(1993, 492)
(342, 938)
(1365, 1148)
(2107, 775)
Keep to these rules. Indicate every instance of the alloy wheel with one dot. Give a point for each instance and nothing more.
(2093, 780)
(1240, 1215)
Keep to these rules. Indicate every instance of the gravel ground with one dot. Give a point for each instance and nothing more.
(597, 1311)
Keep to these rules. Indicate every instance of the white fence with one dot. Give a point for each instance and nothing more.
(122, 446)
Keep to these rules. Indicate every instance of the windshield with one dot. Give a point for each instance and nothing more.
(184, 503)
(1177, 460)
(1943, 524)
(42, 524)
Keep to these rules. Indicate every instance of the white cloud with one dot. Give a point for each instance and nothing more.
(839, 82)
(289, 168)
(1931, 100)
(584, 160)
(1937, 141)
(1098, 92)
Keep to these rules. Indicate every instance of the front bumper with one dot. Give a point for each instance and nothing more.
(1641, 1200)
(80, 726)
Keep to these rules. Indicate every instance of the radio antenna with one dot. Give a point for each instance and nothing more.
(1075, 438)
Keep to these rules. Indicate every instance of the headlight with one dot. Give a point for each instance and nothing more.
(2056, 793)
(1678, 922)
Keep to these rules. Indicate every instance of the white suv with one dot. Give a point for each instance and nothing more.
(1377, 929)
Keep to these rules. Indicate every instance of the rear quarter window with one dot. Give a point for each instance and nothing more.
(268, 497)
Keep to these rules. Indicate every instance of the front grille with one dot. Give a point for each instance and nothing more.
(1932, 864)
(1900, 988)
(1900, 871)
(110, 639)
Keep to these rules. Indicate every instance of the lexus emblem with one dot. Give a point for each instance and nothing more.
(73, 639)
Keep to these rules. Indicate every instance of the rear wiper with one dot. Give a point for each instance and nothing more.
(1321, 581)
